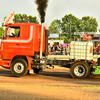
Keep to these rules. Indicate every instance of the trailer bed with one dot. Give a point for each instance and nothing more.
(67, 57)
(58, 57)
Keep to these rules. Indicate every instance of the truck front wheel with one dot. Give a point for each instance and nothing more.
(19, 67)
(79, 70)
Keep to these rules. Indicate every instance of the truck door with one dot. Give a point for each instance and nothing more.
(11, 44)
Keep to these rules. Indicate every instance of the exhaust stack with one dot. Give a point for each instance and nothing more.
(41, 7)
(41, 46)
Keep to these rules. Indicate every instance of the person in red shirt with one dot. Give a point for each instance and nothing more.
(98, 49)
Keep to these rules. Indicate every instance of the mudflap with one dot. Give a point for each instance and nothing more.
(5, 63)
(96, 70)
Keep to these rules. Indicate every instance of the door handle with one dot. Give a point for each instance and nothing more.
(17, 44)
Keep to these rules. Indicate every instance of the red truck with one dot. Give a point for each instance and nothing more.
(25, 45)
(20, 47)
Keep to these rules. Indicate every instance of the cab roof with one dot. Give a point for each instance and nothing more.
(19, 24)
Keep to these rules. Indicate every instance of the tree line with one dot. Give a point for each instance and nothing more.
(67, 25)
(70, 24)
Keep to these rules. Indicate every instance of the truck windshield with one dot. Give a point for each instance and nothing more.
(13, 32)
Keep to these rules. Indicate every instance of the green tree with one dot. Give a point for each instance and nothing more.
(1, 32)
(21, 18)
(25, 18)
(70, 24)
(55, 26)
(90, 24)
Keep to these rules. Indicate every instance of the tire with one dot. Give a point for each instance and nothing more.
(79, 70)
(19, 67)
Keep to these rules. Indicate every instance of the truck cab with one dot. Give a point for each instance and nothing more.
(20, 47)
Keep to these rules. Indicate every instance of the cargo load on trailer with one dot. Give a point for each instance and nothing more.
(81, 50)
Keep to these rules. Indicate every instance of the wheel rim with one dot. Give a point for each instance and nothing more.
(79, 70)
(18, 67)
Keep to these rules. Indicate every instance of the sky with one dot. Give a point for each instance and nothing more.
(56, 9)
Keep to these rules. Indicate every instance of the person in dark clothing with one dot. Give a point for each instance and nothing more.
(61, 49)
(57, 50)
(53, 49)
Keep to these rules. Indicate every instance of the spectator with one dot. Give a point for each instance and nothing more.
(68, 49)
(53, 49)
(57, 47)
(61, 49)
(94, 50)
(98, 49)
(57, 50)
(49, 50)
(64, 50)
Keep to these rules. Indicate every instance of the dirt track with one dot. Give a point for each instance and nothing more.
(51, 84)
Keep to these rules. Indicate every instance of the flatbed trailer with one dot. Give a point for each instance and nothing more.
(58, 57)
(67, 57)
(81, 66)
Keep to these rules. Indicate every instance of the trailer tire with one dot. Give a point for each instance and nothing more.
(79, 70)
(19, 67)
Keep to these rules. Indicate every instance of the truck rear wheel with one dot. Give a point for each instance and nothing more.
(79, 70)
(19, 67)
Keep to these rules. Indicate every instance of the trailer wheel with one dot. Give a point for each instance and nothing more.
(19, 67)
(79, 70)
